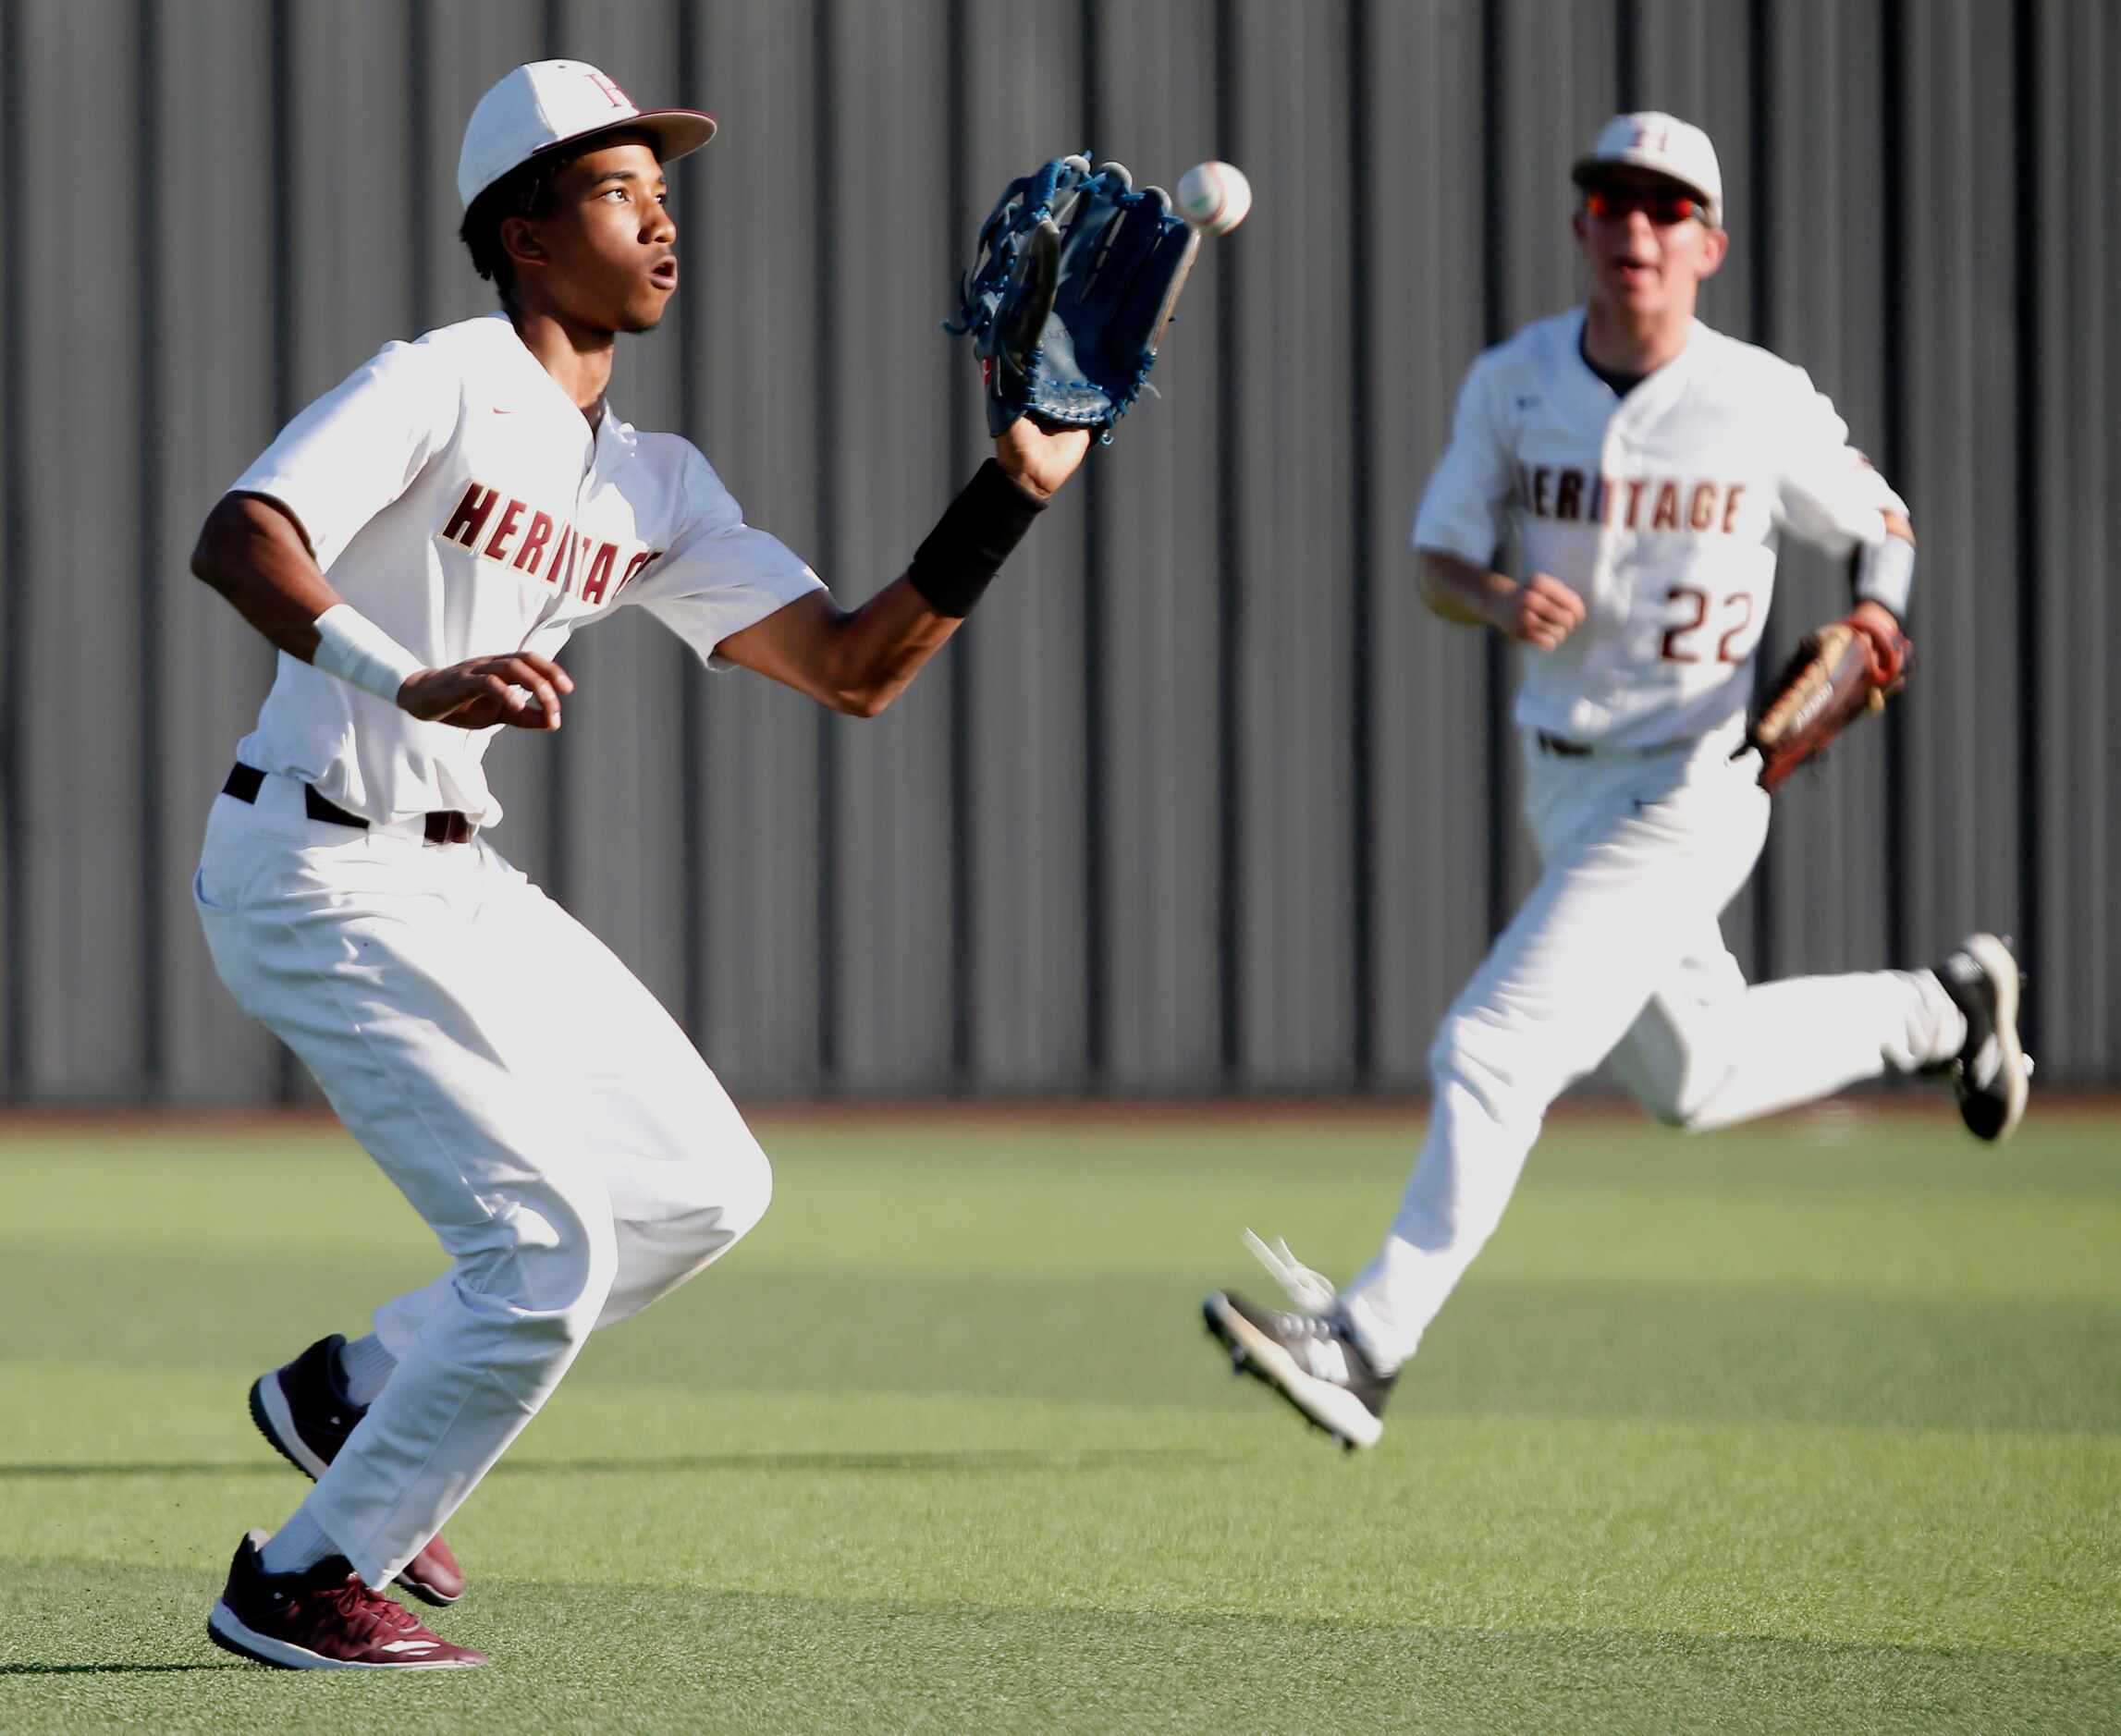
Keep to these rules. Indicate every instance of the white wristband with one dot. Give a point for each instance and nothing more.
(1886, 574)
(359, 652)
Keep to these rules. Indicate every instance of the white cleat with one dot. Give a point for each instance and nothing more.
(1308, 1356)
(1992, 1074)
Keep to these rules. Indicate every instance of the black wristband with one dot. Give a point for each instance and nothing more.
(961, 554)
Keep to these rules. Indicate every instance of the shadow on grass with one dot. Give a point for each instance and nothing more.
(1001, 1459)
(114, 1669)
(998, 1460)
(716, 1659)
(137, 1469)
(863, 1664)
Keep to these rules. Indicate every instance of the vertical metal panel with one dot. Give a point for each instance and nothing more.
(1117, 836)
(352, 175)
(152, 876)
(1158, 506)
(13, 564)
(1693, 58)
(212, 369)
(80, 549)
(1559, 81)
(1294, 442)
(892, 407)
(758, 282)
(1961, 466)
(1428, 313)
(2075, 357)
(1025, 657)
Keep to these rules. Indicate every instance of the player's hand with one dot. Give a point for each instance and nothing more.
(519, 687)
(1039, 459)
(1876, 619)
(1542, 611)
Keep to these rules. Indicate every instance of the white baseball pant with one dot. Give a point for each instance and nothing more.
(1617, 951)
(572, 1153)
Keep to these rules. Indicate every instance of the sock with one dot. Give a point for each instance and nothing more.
(365, 1365)
(298, 1546)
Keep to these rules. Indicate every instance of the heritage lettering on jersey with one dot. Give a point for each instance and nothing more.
(1630, 503)
(512, 534)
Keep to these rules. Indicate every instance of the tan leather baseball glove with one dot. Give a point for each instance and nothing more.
(1838, 673)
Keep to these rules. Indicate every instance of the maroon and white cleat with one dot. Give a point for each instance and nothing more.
(303, 1408)
(324, 1618)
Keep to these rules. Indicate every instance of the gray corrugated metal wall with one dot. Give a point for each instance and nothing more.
(1201, 800)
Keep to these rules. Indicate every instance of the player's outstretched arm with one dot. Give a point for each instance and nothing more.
(858, 661)
(255, 556)
(1541, 611)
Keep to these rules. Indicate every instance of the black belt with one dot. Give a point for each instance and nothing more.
(1562, 748)
(444, 825)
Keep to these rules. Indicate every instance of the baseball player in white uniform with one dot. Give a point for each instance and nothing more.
(1646, 468)
(419, 543)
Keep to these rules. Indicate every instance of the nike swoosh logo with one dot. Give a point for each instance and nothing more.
(499, 412)
(408, 1645)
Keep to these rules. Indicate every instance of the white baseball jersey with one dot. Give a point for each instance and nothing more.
(1661, 509)
(457, 496)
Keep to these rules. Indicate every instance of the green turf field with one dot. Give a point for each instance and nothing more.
(1810, 1427)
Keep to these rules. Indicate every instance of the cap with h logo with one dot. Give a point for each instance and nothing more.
(1662, 145)
(552, 103)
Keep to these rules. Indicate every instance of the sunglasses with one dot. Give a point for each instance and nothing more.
(1662, 209)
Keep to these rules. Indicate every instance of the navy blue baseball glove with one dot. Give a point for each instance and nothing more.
(1075, 280)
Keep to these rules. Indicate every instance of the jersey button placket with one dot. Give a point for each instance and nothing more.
(585, 489)
(581, 492)
(1614, 454)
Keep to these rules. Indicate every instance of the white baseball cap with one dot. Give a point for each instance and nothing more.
(1665, 145)
(553, 103)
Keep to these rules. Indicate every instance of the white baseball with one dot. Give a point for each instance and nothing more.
(1214, 197)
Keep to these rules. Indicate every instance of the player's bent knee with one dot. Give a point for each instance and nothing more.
(749, 1190)
(1452, 1055)
(1504, 1070)
(1686, 1109)
(545, 1266)
(720, 1195)
(1681, 1099)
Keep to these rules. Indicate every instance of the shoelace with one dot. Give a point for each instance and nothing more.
(369, 1611)
(1309, 1335)
(1311, 1291)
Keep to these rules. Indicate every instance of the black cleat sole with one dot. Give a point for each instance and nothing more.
(263, 1425)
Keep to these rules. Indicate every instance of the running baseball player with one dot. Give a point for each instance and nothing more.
(419, 543)
(1646, 468)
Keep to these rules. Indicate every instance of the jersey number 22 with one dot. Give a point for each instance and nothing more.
(1677, 635)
